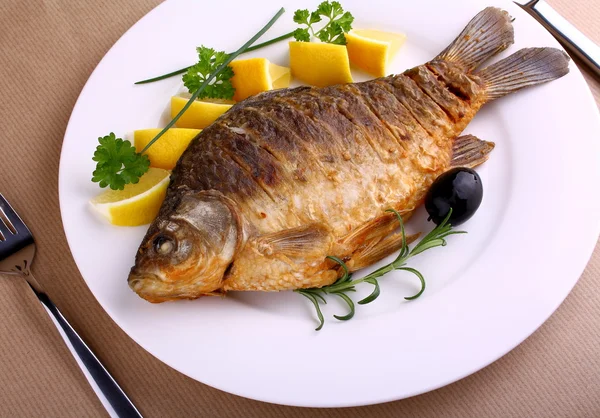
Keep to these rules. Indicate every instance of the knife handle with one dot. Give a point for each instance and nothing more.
(121, 404)
(567, 34)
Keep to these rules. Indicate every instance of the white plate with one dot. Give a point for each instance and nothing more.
(487, 291)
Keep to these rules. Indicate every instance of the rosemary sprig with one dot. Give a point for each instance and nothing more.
(183, 70)
(435, 238)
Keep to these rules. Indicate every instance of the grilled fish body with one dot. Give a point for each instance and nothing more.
(285, 178)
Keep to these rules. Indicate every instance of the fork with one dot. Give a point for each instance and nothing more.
(17, 249)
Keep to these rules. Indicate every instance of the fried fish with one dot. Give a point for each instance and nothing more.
(288, 177)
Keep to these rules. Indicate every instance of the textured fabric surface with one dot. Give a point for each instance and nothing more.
(48, 49)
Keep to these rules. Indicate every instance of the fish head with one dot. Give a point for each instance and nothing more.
(188, 249)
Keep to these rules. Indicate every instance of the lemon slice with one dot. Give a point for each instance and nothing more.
(372, 50)
(320, 64)
(255, 75)
(137, 204)
(199, 115)
(165, 152)
(281, 76)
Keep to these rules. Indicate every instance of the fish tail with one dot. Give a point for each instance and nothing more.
(487, 34)
(526, 67)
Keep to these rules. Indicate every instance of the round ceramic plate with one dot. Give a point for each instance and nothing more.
(487, 290)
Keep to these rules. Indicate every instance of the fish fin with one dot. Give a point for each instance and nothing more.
(295, 258)
(526, 67)
(372, 241)
(377, 251)
(304, 241)
(374, 230)
(470, 151)
(487, 34)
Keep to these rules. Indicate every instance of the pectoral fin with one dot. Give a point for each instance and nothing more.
(290, 259)
(303, 241)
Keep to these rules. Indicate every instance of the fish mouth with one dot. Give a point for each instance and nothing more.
(138, 281)
(147, 286)
(151, 287)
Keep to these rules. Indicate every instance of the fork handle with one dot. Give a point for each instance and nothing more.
(121, 404)
(567, 34)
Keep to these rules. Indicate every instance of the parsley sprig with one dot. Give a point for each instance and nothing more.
(338, 23)
(435, 238)
(208, 61)
(117, 162)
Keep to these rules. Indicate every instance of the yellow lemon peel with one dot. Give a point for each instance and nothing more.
(373, 50)
(165, 152)
(255, 75)
(320, 64)
(199, 115)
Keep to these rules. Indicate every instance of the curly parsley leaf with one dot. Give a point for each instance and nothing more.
(301, 16)
(333, 34)
(118, 163)
(302, 35)
(345, 21)
(208, 61)
(338, 23)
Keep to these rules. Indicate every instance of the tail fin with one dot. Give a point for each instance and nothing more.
(524, 68)
(487, 34)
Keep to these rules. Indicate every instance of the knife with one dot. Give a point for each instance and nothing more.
(568, 35)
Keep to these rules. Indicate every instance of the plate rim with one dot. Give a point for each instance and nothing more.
(595, 232)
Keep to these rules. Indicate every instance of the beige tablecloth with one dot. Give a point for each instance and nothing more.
(48, 48)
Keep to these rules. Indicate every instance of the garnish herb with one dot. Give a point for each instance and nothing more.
(208, 61)
(183, 70)
(110, 163)
(345, 284)
(118, 163)
(338, 23)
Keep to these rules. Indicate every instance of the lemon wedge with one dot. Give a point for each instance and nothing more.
(255, 75)
(320, 64)
(137, 204)
(199, 115)
(372, 50)
(281, 76)
(165, 152)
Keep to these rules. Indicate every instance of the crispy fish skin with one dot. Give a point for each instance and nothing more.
(288, 177)
(372, 160)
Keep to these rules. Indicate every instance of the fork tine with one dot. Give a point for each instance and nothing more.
(4, 231)
(18, 225)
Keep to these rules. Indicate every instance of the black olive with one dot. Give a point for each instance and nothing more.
(459, 189)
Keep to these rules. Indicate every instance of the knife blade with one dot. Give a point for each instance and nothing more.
(568, 35)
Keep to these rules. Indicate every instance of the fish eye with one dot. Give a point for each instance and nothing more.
(163, 245)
